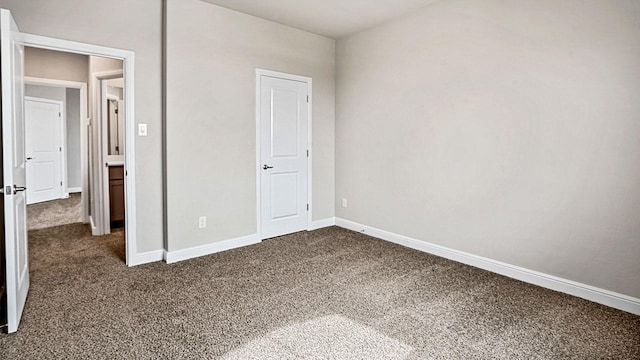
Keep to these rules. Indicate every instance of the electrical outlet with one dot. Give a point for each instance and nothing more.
(202, 222)
(344, 202)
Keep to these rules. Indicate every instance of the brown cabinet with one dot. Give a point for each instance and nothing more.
(116, 196)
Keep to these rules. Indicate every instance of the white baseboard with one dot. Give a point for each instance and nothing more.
(319, 224)
(588, 292)
(74, 190)
(146, 257)
(197, 251)
(94, 228)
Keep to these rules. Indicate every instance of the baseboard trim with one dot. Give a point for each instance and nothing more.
(588, 292)
(202, 250)
(319, 224)
(146, 258)
(74, 190)
(94, 228)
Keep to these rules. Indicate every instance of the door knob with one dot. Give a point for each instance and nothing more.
(267, 167)
(17, 189)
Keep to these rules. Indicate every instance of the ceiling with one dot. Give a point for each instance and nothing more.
(331, 18)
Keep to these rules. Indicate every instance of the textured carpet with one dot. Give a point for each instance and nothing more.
(327, 294)
(56, 212)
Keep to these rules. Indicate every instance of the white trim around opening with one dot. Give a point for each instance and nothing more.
(99, 96)
(84, 168)
(128, 58)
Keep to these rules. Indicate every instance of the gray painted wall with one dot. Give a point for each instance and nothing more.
(57, 65)
(507, 129)
(74, 169)
(137, 27)
(46, 92)
(212, 54)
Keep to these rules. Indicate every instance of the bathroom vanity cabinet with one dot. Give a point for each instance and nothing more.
(116, 196)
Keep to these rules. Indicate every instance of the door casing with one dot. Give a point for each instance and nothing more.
(99, 85)
(128, 58)
(84, 168)
(309, 81)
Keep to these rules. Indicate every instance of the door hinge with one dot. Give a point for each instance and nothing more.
(307, 207)
(60, 148)
(307, 98)
(59, 114)
(307, 153)
(60, 183)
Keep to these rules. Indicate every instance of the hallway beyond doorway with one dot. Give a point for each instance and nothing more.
(55, 212)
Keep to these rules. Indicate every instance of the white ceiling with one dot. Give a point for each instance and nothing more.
(332, 18)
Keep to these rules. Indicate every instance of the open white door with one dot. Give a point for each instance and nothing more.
(14, 169)
(283, 143)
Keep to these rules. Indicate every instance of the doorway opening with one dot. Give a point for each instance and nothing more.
(106, 146)
(14, 158)
(69, 135)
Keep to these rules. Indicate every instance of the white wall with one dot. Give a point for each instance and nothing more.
(131, 25)
(507, 129)
(212, 54)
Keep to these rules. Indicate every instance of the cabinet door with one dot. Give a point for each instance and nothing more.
(116, 193)
(116, 199)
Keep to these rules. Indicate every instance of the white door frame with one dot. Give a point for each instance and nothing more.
(63, 140)
(98, 84)
(84, 168)
(309, 82)
(128, 58)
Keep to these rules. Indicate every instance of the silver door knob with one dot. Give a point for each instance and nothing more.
(17, 189)
(267, 167)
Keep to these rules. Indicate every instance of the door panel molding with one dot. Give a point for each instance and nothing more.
(309, 82)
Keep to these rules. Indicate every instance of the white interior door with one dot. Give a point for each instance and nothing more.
(43, 119)
(14, 169)
(283, 148)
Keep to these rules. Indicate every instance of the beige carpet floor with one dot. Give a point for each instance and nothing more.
(56, 212)
(327, 294)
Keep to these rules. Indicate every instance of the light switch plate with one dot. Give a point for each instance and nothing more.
(142, 129)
